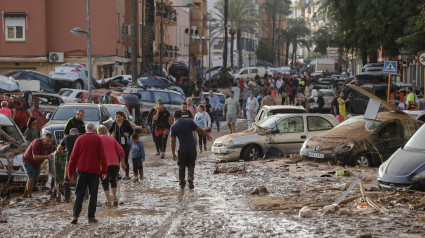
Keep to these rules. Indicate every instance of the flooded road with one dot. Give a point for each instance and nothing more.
(221, 205)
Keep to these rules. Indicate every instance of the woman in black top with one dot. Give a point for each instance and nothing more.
(31, 132)
(121, 130)
(208, 109)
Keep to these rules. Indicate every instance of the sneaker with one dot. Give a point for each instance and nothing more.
(162, 156)
(75, 220)
(190, 181)
(92, 220)
(141, 176)
(205, 148)
(157, 153)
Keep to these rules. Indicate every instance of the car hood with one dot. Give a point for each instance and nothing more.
(404, 163)
(238, 137)
(339, 136)
(60, 124)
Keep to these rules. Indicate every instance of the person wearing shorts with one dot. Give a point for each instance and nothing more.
(38, 151)
(231, 110)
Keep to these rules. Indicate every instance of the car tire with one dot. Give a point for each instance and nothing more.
(251, 152)
(28, 99)
(362, 160)
(77, 84)
(145, 120)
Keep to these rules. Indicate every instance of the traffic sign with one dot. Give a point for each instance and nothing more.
(421, 59)
(390, 67)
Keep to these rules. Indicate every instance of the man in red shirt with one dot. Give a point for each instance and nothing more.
(38, 151)
(89, 158)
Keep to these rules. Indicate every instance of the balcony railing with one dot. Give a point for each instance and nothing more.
(170, 51)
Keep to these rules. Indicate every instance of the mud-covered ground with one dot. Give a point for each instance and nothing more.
(225, 203)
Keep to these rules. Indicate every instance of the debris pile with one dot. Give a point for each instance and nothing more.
(230, 170)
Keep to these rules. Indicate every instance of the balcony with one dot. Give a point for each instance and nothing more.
(169, 13)
(170, 53)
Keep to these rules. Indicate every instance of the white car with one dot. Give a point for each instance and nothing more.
(121, 79)
(71, 76)
(70, 95)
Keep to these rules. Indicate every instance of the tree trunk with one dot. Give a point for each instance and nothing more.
(239, 40)
(364, 57)
(149, 36)
(287, 53)
(294, 52)
(134, 49)
(373, 56)
(226, 16)
(273, 41)
(232, 46)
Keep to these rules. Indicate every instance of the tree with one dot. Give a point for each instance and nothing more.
(413, 40)
(275, 8)
(265, 52)
(296, 34)
(322, 40)
(149, 36)
(225, 19)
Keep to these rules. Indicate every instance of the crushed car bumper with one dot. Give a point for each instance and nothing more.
(339, 157)
(226, 154)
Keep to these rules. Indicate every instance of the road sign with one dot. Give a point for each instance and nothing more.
(390, 67)
(421, 59)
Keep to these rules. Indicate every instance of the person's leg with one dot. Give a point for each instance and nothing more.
(93, 182)
(217, 119)
(249, 117)
(79, 193)
(233, 127)
(181, 162)
(244, 109)
(164, 142)
(112, 174)
(135, 168)
(126, 154)
(155, 140)
(191, 158)
(200, 141)
(204, 138)
(140, 169)
(105, 185)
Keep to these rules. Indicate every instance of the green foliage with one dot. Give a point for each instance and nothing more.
(265, 52)
(322, 39)
(224, 80)
(413, 40)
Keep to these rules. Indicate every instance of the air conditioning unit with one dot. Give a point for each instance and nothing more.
(127, 30)
(56, 57)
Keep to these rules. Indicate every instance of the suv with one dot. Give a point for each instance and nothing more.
(94, 113)
(72, 76)
(152, 81)
(172, 100)
(47, 84)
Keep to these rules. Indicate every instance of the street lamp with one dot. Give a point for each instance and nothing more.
(161, 50)
(77, 31)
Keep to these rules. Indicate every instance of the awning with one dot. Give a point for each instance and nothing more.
(14, 14)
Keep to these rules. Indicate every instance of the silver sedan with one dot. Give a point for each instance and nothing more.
(284, 132)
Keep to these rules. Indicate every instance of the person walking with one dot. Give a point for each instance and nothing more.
(38, 151)
(411, 99)
(231, 109)
(186, 153)
(245, 96)
(163, 122)
(251, 108)
(75, 122)
(284, 93)
(185, 112)
(89, 158)
(138, 156)
(341, 106)
(191, 107)
(31, 133)
(335, 105)
(10, 105)
(208, 108)
(5, 110)
(203, 120)
(279, 84)
(68, 144)
(292, 91)
(215, 102)
(151, 125)
(268, 101)
(121, 130)
(114, 154)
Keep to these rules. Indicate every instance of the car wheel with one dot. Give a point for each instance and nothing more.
(252, 152)
(363, 160)
(77, 85)
(145, 120)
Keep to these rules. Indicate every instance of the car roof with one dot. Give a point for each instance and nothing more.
(276, 107)
(113, 105)
(5, 120)
(45, 94)
(135, 90)
(214, 93)
(26, 70)
(80, 104)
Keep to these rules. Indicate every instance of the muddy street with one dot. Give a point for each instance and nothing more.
(239, 199)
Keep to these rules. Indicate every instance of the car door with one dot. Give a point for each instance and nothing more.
(387, 138)
(316, 125)
(291, 136)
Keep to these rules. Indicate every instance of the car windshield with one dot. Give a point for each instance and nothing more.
(268, 122)
(13, 132)
(327, 93)
(370, 125)
(113, 110)
(65, 113)
(416, 142)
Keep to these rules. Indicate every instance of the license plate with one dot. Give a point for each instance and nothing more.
(20, 178)
(316, 155)
(216, 150)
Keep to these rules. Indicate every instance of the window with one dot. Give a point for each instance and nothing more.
(176, 99)
(254, 71)
(14, 28)
(291, 125)
(410, 128)
(244, 71)
(146, 96)
(388, 132)
(42, 78)
(163, 96)
(318, 124)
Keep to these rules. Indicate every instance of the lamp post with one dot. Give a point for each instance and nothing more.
(77, 31)
(161, 56)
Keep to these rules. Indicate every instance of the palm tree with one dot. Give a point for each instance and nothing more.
(274, 8)
(296, 34)
(225, 19)
(149, 36)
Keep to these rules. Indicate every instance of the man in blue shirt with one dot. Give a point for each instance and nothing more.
(214, 102)
(186, 154)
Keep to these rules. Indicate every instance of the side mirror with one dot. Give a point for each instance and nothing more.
(48, 116)
(275, 131)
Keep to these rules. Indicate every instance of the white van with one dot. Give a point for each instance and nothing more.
(250, 72)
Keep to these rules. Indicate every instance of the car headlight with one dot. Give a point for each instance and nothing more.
(305, 144)
(229, 143)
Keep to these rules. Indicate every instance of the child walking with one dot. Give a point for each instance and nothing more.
(138, 153)
(203, 120)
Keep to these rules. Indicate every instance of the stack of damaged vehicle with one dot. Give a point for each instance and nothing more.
(361, 140)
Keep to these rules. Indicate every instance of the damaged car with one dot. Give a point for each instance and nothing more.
(12, 147)
(277, 134)
(405, 169)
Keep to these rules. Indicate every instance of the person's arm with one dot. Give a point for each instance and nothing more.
(217, 102)
(13, 113)
(170, 120)
(60, 149)
(69, 125)
(256, 105)
(335, 111)
(239, 109)
(173, 147)
(156, 116)
(112, 130)
(128, 130)
(203, 132)
(225, 109)
(73, 160)
(190, 114)
(208, 121)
